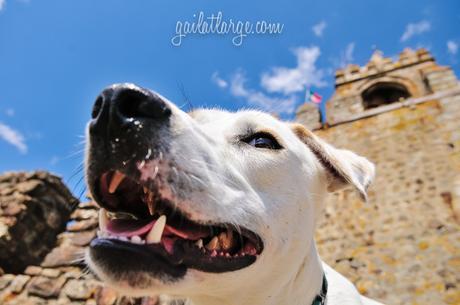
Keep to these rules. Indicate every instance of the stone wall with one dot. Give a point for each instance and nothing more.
(402, 247)
(309, 115)
(34, 208)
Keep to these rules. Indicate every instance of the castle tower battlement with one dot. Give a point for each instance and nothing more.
(367, 90)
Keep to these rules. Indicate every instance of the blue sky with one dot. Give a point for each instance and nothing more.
(56, 56)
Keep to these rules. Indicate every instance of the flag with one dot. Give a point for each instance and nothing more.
(313, 97)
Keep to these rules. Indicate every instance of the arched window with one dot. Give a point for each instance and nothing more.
(384, 93)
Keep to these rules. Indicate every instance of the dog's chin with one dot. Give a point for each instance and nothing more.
(127, 282)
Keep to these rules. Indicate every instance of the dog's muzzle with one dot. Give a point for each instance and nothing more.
(142, 227)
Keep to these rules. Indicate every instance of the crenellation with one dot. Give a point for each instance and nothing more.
(383, 81)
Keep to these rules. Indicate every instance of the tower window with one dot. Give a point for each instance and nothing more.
(384, 93)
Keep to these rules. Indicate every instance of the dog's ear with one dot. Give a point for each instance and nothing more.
(343, 166)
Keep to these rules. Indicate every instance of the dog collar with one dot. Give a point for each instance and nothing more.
(320, 299)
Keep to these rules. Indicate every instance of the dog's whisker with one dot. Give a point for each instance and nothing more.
(74, 154)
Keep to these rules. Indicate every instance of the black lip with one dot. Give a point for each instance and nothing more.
(122, 257)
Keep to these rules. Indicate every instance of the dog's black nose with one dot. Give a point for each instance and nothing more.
(126, 104)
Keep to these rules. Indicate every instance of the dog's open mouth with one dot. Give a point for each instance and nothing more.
(136, 222)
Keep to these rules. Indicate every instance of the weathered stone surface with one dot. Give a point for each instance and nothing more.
(64, 255)
(401, 246)
(33, 270)
(46, 287)
(52, 273)
(83, 214)
(80, 239)
(18, 283)
(309, 115)
(5, 280)
(34, 208)
(79, 289)
(106, 296)
(81, 225)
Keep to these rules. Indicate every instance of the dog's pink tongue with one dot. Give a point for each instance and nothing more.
(128, 227)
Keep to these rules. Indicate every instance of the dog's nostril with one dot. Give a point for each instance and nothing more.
(137, 104)
(97, 107)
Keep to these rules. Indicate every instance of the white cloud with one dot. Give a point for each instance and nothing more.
(259, 99)
(10, 112)
(2, 4)
(13, 137)
(346, 56)
(281, 85)
(221, 83)
(452, 47)
(292, 80)
(415, 29)
(54, 160)
(318, 28)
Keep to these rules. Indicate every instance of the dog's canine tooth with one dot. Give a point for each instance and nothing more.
(103, 220)
(154, 236)
(213, 244)
(146, 190)
(115, 182)
(199, 243)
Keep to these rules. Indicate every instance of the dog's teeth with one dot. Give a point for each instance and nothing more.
(199, 243)
(115, 182)
(213, 244)
(136, 239)
(146, 190)
(226, 240)
(103, 220)
(150, 203)
(155, 233)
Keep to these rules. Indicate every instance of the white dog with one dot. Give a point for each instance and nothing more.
(212, 206)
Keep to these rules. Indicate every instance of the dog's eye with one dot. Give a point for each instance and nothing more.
(262, 140)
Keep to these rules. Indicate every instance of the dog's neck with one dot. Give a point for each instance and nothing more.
(300, 288)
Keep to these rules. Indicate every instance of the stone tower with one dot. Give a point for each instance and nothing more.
(404, 115)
